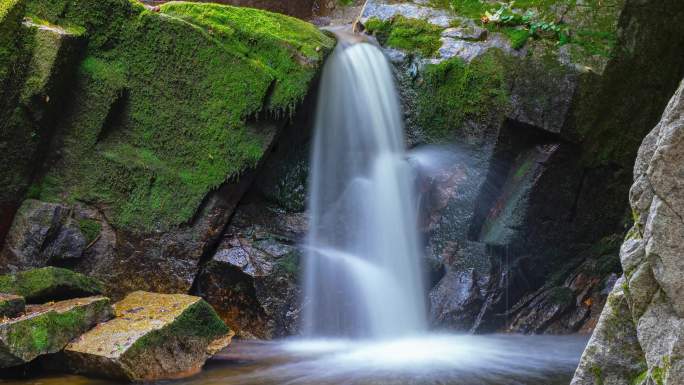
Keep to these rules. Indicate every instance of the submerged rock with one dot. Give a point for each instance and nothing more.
(153, 337)
(45, 329)
(48, 284)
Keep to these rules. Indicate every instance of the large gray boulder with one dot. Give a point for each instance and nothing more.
(653, 287)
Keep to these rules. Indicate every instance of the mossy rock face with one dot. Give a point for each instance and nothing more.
(49, 283)
(11, 305)
(159, 121)
(45, 329)
(35, 66)
(153, 337)
(166, 117)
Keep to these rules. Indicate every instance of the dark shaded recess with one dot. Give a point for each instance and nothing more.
(289, 151)
(115, 118)
(514, 138)
(637, 83)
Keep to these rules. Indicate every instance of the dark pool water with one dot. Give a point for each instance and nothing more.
(432, 359)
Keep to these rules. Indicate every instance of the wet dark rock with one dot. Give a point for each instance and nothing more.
(456, 300)
(41, 233)
(252, 278)
(46, 329)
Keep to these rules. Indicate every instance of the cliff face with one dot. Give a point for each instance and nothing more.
(640, 336)
(547, 103)
(133, 132)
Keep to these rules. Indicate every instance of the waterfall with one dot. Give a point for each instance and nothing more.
(362, 274)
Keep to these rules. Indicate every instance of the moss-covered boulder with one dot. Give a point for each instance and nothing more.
(49, 284)
(153, 337)
(45, 329)
(36, 58)
(11, 305)
(168, 113)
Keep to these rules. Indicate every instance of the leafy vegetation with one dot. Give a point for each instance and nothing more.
(412, 35)
(594, 25)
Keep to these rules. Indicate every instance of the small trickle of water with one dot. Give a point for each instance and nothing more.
(362, 273)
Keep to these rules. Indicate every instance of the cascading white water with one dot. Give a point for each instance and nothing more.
(362, 273)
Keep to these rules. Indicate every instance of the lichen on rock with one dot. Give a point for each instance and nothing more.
(45, 329)
(152, 337)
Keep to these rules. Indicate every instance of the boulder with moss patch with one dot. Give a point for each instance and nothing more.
(46, 329)
(49, 284)
(152, 337)
(167, 116)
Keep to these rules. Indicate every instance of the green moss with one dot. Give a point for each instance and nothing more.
(412, 35)
(198, 321)
(90, 229)
(657, 375)
(49, 283)
(517, 36)
(452, 92)
(562, 296)
(289, 263)
(598, 374)
(161, 101)
(51, 330)
(268, 38)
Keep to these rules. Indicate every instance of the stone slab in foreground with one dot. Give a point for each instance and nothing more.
(153, 337)
(45, 329)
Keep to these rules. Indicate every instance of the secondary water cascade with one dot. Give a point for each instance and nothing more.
(362, 272)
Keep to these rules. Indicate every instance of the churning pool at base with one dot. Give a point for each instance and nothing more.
(438, 359)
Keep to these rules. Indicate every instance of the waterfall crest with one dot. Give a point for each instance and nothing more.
(362, 273)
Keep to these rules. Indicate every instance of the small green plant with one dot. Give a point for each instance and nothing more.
(520, 27)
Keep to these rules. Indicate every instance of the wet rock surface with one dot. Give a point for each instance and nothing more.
(152, 337)
(650, 290)
(532, 198)
(48, 328)
(251, 280)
